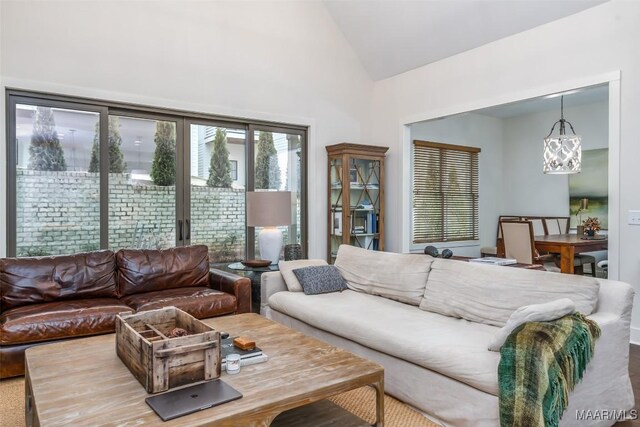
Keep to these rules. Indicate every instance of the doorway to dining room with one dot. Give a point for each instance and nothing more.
(511, 179)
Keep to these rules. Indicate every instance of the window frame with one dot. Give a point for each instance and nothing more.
(183, 119)
(471, 239)
(234, 170)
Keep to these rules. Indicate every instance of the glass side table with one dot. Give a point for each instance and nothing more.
(241, 267)
(252, 273)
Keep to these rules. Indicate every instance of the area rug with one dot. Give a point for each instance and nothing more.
(360, 402)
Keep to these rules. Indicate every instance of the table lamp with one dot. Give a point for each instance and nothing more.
(269, 209)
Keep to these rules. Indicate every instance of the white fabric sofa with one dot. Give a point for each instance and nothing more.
(440, 363)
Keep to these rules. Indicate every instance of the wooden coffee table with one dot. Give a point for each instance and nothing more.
(83, 382)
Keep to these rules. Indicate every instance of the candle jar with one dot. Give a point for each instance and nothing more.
(233, 363)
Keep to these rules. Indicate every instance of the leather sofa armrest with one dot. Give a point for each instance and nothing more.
(232, 284)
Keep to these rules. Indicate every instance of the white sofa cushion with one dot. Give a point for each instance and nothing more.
(489, 294)
(544, 312)
(286, 269)
(453, 347)
(401, 277)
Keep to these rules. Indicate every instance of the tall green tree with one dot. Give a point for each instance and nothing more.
(94, 163)
(267, 169)
(163, 167)
(220, 166)
(45, 150)
(116, 158)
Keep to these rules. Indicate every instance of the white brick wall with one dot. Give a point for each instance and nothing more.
(58, 212)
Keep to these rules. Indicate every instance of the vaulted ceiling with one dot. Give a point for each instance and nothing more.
(394, 36)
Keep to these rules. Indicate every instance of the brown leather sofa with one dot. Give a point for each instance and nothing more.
(69, 296)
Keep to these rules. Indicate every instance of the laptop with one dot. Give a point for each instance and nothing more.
(187, 400)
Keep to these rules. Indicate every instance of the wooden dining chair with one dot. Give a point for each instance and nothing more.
(560, 225)
(537, 222)
(519, 244)
(493, 250)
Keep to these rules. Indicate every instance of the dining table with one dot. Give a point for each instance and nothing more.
(567, 245)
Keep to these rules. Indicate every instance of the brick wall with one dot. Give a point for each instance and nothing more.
(59, 212)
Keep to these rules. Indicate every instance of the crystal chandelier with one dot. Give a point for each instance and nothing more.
(562, 153)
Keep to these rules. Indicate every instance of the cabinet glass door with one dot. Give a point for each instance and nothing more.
(364, 203)
(336, 196)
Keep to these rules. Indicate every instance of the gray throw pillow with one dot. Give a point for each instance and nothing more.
(320, 279)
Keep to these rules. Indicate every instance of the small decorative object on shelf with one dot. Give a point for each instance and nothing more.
(356, 197)
(591, 225)
(292, 252)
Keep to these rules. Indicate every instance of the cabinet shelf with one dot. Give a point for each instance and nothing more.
(356, 180)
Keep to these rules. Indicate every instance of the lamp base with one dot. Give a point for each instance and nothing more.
(270, 244)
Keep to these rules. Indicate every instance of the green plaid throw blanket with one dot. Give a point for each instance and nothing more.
(540, 364)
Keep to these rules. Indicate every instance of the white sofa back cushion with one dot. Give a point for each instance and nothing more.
(286, 269)
(400, 277)
(490, 294)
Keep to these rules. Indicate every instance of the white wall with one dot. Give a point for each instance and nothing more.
(531, 191)
(272, 60)
(595, 42)
(485, 133)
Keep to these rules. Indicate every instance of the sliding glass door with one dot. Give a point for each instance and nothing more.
(278, 161)
(54, 198)
(86, 174)
(218, 181)
(143, 177)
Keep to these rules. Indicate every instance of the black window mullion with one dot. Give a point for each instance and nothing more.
(104, 178)
(183, 184)
(12, 160)
(250, 248)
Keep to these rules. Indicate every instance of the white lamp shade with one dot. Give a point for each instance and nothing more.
(562, 154)
(268, 208)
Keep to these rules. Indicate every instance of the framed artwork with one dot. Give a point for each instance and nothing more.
(592, 184)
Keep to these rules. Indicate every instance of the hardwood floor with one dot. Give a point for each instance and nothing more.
(634, 373)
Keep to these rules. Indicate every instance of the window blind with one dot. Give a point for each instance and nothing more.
(445, 192)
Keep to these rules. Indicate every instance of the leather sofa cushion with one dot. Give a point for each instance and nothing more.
(200, 302)
(26, 281)
(145, 270)
(58, 320)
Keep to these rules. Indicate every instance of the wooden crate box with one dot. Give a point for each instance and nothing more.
(159, 362)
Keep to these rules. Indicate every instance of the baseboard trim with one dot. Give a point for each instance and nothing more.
(635, 336)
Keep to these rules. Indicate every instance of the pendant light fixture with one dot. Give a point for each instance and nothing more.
(562, 152)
